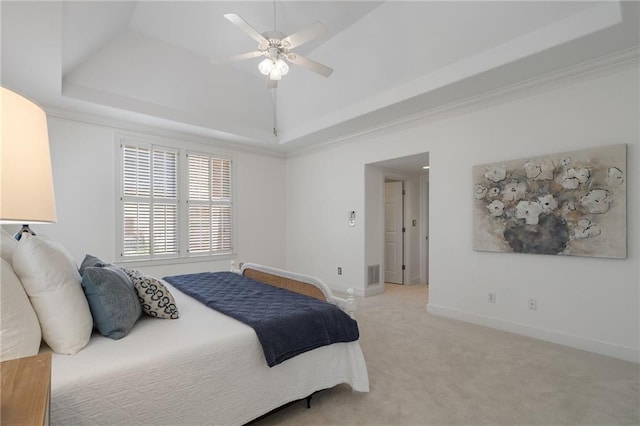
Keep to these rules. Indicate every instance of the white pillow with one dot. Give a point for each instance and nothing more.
(20, 334)
(51, 279)
(7, 246)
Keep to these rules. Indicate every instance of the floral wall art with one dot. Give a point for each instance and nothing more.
(572, 203)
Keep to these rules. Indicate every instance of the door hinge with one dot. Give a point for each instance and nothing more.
(404, 229)
(404, 192)
(404, 267)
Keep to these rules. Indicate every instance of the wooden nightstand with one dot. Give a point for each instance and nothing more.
(26, 384)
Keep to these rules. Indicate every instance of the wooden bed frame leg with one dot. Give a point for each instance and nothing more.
(309, 401)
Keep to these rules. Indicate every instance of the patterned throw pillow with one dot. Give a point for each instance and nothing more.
(155, 298)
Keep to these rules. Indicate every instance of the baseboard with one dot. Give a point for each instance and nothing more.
(602, 348)
(373, 290)
(415, 280)
(369, 291)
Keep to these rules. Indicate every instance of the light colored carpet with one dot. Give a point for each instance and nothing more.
(426, 370)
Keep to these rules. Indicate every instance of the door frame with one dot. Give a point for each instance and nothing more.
(403, 168)
(424, 228)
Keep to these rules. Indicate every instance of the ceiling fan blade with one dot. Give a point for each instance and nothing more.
(305, 35)
(272, 84)
(241, 57)
(309, 64)
(244, 26)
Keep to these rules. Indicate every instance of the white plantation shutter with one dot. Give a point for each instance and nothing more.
(165, 229)
(136, 171)
(220, 179)
(150, 202)
(199, 229)
(209, 211)
(165, 174)
(137, 225)
(221, 228)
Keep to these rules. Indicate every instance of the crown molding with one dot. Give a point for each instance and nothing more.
(595, 68)
(146, 130)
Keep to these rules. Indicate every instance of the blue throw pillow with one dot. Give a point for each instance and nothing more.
(89, 261)
(112, 299)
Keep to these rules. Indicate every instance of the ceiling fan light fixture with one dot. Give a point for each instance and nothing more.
(266, 66)
(282, 67)
(275, 74)
(275, 47)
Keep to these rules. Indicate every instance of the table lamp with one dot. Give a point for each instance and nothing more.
(26, 181)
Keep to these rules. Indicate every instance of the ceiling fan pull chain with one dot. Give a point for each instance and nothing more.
(275, 112)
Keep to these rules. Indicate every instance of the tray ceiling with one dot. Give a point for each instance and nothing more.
(150, 62)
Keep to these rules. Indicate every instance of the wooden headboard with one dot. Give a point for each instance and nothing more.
(302, 284)
(284, 282)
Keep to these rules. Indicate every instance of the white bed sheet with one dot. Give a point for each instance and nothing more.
(204, 368)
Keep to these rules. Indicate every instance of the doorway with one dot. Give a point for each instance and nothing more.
(412, 172)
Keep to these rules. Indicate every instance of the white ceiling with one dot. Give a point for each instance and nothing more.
(150, 62)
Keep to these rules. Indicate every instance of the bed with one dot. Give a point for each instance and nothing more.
(204, 368)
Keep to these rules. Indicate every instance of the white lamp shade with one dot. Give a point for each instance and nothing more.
(25, 175)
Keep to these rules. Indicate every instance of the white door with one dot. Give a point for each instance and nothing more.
(393, 238)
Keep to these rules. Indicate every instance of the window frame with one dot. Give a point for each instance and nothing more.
(182, 148)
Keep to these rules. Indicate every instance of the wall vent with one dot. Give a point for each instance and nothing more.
(373, 274)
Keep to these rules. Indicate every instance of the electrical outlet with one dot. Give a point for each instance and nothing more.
(533, 304)
(339, 270)
(492, 297)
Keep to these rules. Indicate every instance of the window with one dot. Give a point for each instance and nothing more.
(209, 211)
(149, 202)
(152, 179)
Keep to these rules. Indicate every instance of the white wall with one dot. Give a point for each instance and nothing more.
(588, 303)
(320, 193)
(374, 230)
(83, 156)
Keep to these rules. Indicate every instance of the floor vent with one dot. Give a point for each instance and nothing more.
(373, 274)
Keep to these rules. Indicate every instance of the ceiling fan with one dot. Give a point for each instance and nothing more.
(277, 47)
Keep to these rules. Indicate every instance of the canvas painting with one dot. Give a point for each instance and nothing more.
(572, 203)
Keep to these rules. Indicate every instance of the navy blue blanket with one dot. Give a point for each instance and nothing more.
(287, 323)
